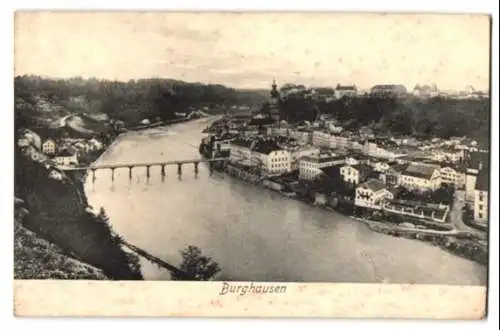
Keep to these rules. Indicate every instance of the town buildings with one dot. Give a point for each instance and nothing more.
(478, 161)
(413, 209)
(345, 91)
(302, 136)
(453, 176)
(299, 152)
(49, 147)
(355, 173)
(388, 90)
(65, 158)
(310, 166)
(266, 155)
(481, 197)
(421, 177)
(241, 152)
(372, 194)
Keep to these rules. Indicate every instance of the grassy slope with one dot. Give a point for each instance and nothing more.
(36, 258)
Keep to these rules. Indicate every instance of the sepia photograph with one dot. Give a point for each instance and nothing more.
(252, 150)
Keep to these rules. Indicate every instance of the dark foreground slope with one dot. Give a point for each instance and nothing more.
(58, 212)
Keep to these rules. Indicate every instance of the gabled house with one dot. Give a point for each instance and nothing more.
(372, 194)
(453, 176)
(355, 173)
(49, 147)
(345, 91)
(422, 177)
(392, 175)
(310, 166)
(65, 158)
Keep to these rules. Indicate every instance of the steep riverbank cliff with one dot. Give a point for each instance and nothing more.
(56, 233)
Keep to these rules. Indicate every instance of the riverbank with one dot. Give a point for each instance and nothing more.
(460, 243)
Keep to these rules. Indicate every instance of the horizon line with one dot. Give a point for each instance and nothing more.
(48, 77)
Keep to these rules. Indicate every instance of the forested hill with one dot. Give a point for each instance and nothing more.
(424, 118)
(129, 101)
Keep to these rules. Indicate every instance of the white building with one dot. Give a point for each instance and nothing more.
(355, 173)
(65, 158)
(340, 142)
(451, 155)
(277, 131)
(345, 91)
(49, 147)
(481, 198)
(271, 159)
(373, 150)
(478, 161)
(350, 160)
(422, 177)
(297, 153)
(301, 136)
(321, 139)
(333, 128)
(450, 175)
(380, 166)
(372, 194)
(240, 151)
(310, 166)
(275, 161)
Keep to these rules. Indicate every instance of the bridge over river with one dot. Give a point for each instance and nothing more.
(162, 164)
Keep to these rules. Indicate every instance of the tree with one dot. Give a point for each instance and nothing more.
(196, 266)
(103, 216)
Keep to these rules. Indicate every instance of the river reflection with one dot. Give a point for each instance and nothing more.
(254, 234)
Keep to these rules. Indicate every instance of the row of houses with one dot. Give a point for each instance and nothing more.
(63, 152)
(277, 159)
(359, 166)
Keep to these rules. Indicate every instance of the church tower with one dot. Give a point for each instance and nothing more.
(274, 103)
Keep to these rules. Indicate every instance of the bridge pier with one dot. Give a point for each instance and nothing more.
(148, 174)
(163, 170)
(179, 168)
(196, 167)
(211, 167)
(93, 175)
(130, 172)
(112, 174)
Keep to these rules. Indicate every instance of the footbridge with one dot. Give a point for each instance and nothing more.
(148, 165)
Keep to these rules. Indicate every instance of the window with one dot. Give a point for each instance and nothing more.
(480, 197)
(480, 207)
(480, 215)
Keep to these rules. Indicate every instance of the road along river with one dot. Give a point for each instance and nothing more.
(254, 234)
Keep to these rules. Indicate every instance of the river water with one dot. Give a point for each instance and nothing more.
(254, 234)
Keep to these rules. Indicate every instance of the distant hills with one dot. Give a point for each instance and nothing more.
(44, 101)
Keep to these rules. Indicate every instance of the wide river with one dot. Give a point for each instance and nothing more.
(254, 234)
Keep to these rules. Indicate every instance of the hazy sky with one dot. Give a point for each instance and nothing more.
(249, 50)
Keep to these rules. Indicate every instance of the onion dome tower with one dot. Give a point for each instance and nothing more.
(275, 103)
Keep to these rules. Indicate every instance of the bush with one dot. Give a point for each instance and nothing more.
(196, 266)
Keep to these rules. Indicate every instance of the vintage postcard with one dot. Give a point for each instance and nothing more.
(251, 164)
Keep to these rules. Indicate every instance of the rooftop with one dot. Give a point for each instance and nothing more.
(266, 147)
(322, 159)
(331, 171)
(482, 181)
(64, 153)
(362, 169)
(373, 185)
(420, 171)
(242, 143)
(398, 167)
(478, 159)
